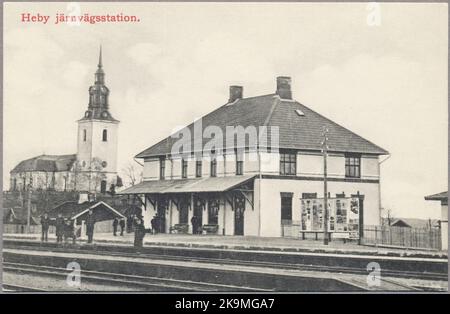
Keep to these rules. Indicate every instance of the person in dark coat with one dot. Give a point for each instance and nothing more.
(90, 223)
(122, 225)
(115, 224)
(45, 224)
(194, 222)
(59, 224)
(154, 223)
(69, 231)
(139, 233)
(129, 224)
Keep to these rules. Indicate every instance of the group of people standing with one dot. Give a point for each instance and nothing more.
(118, 223)
(65, 228)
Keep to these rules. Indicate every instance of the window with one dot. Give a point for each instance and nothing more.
(198, 168)
(288, 163)
(162, 168)
(352, 166)
(286, 208)
(299, 112)
(84, 135)
(105, 135)
(239, 167)
(213, 170)
(184, 168)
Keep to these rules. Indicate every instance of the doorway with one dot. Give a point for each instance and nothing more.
(103, 187)
(239, 209)
(198, 213)
(161, 213)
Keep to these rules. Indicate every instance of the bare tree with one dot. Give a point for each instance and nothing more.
(80, 177)
(133, 173)
(388, 218)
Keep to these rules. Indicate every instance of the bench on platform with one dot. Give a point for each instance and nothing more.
(316, 233)
(179, 228)
(210, 229)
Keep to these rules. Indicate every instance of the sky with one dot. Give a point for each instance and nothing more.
(379, 71)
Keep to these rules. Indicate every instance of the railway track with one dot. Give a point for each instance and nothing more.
(120, 280)
(17, 288)
(241, 262)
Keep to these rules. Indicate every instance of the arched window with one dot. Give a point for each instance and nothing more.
(84, 135)
(105, 135)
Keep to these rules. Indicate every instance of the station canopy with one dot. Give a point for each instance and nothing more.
(199, 185)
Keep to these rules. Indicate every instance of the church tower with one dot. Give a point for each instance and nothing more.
(97, 139)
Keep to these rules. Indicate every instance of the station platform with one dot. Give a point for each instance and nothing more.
(247, 243)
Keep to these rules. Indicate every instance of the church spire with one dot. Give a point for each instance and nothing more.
(98, 95)
(100, 65)
(100, 74)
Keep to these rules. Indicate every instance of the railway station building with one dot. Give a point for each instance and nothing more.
(256, 188)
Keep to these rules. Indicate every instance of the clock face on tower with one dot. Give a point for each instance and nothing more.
(104, 164)
(104, 114)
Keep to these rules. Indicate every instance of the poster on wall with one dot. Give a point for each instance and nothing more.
(343, 215)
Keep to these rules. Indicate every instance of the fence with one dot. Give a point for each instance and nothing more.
(99, 227)
(35, 229)
(421, 238)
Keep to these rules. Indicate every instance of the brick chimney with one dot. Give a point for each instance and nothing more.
(284, 87)
(236, 92)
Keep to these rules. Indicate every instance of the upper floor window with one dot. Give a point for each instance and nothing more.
(105, 135)
(288, 163)
(84, 135)
(162, 168)
(184, 168)
(198, 168)
(352, 166)
(239, 166)
(213, 168)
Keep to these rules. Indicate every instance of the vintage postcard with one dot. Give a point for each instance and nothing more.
(235, 147)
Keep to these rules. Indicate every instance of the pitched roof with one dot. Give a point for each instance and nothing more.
(18, 215)
(47, 163)
(415, 222)
(296, 131)
(437, 197)
(73, 210)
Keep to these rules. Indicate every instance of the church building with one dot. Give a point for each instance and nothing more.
(94, 166)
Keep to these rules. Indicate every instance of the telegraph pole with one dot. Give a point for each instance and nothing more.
(325, 188)
(29, 209)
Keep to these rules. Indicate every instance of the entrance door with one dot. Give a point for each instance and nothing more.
(198, 213)
(183, 213)
(103, 187)
(161, 212)
(239, 208)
